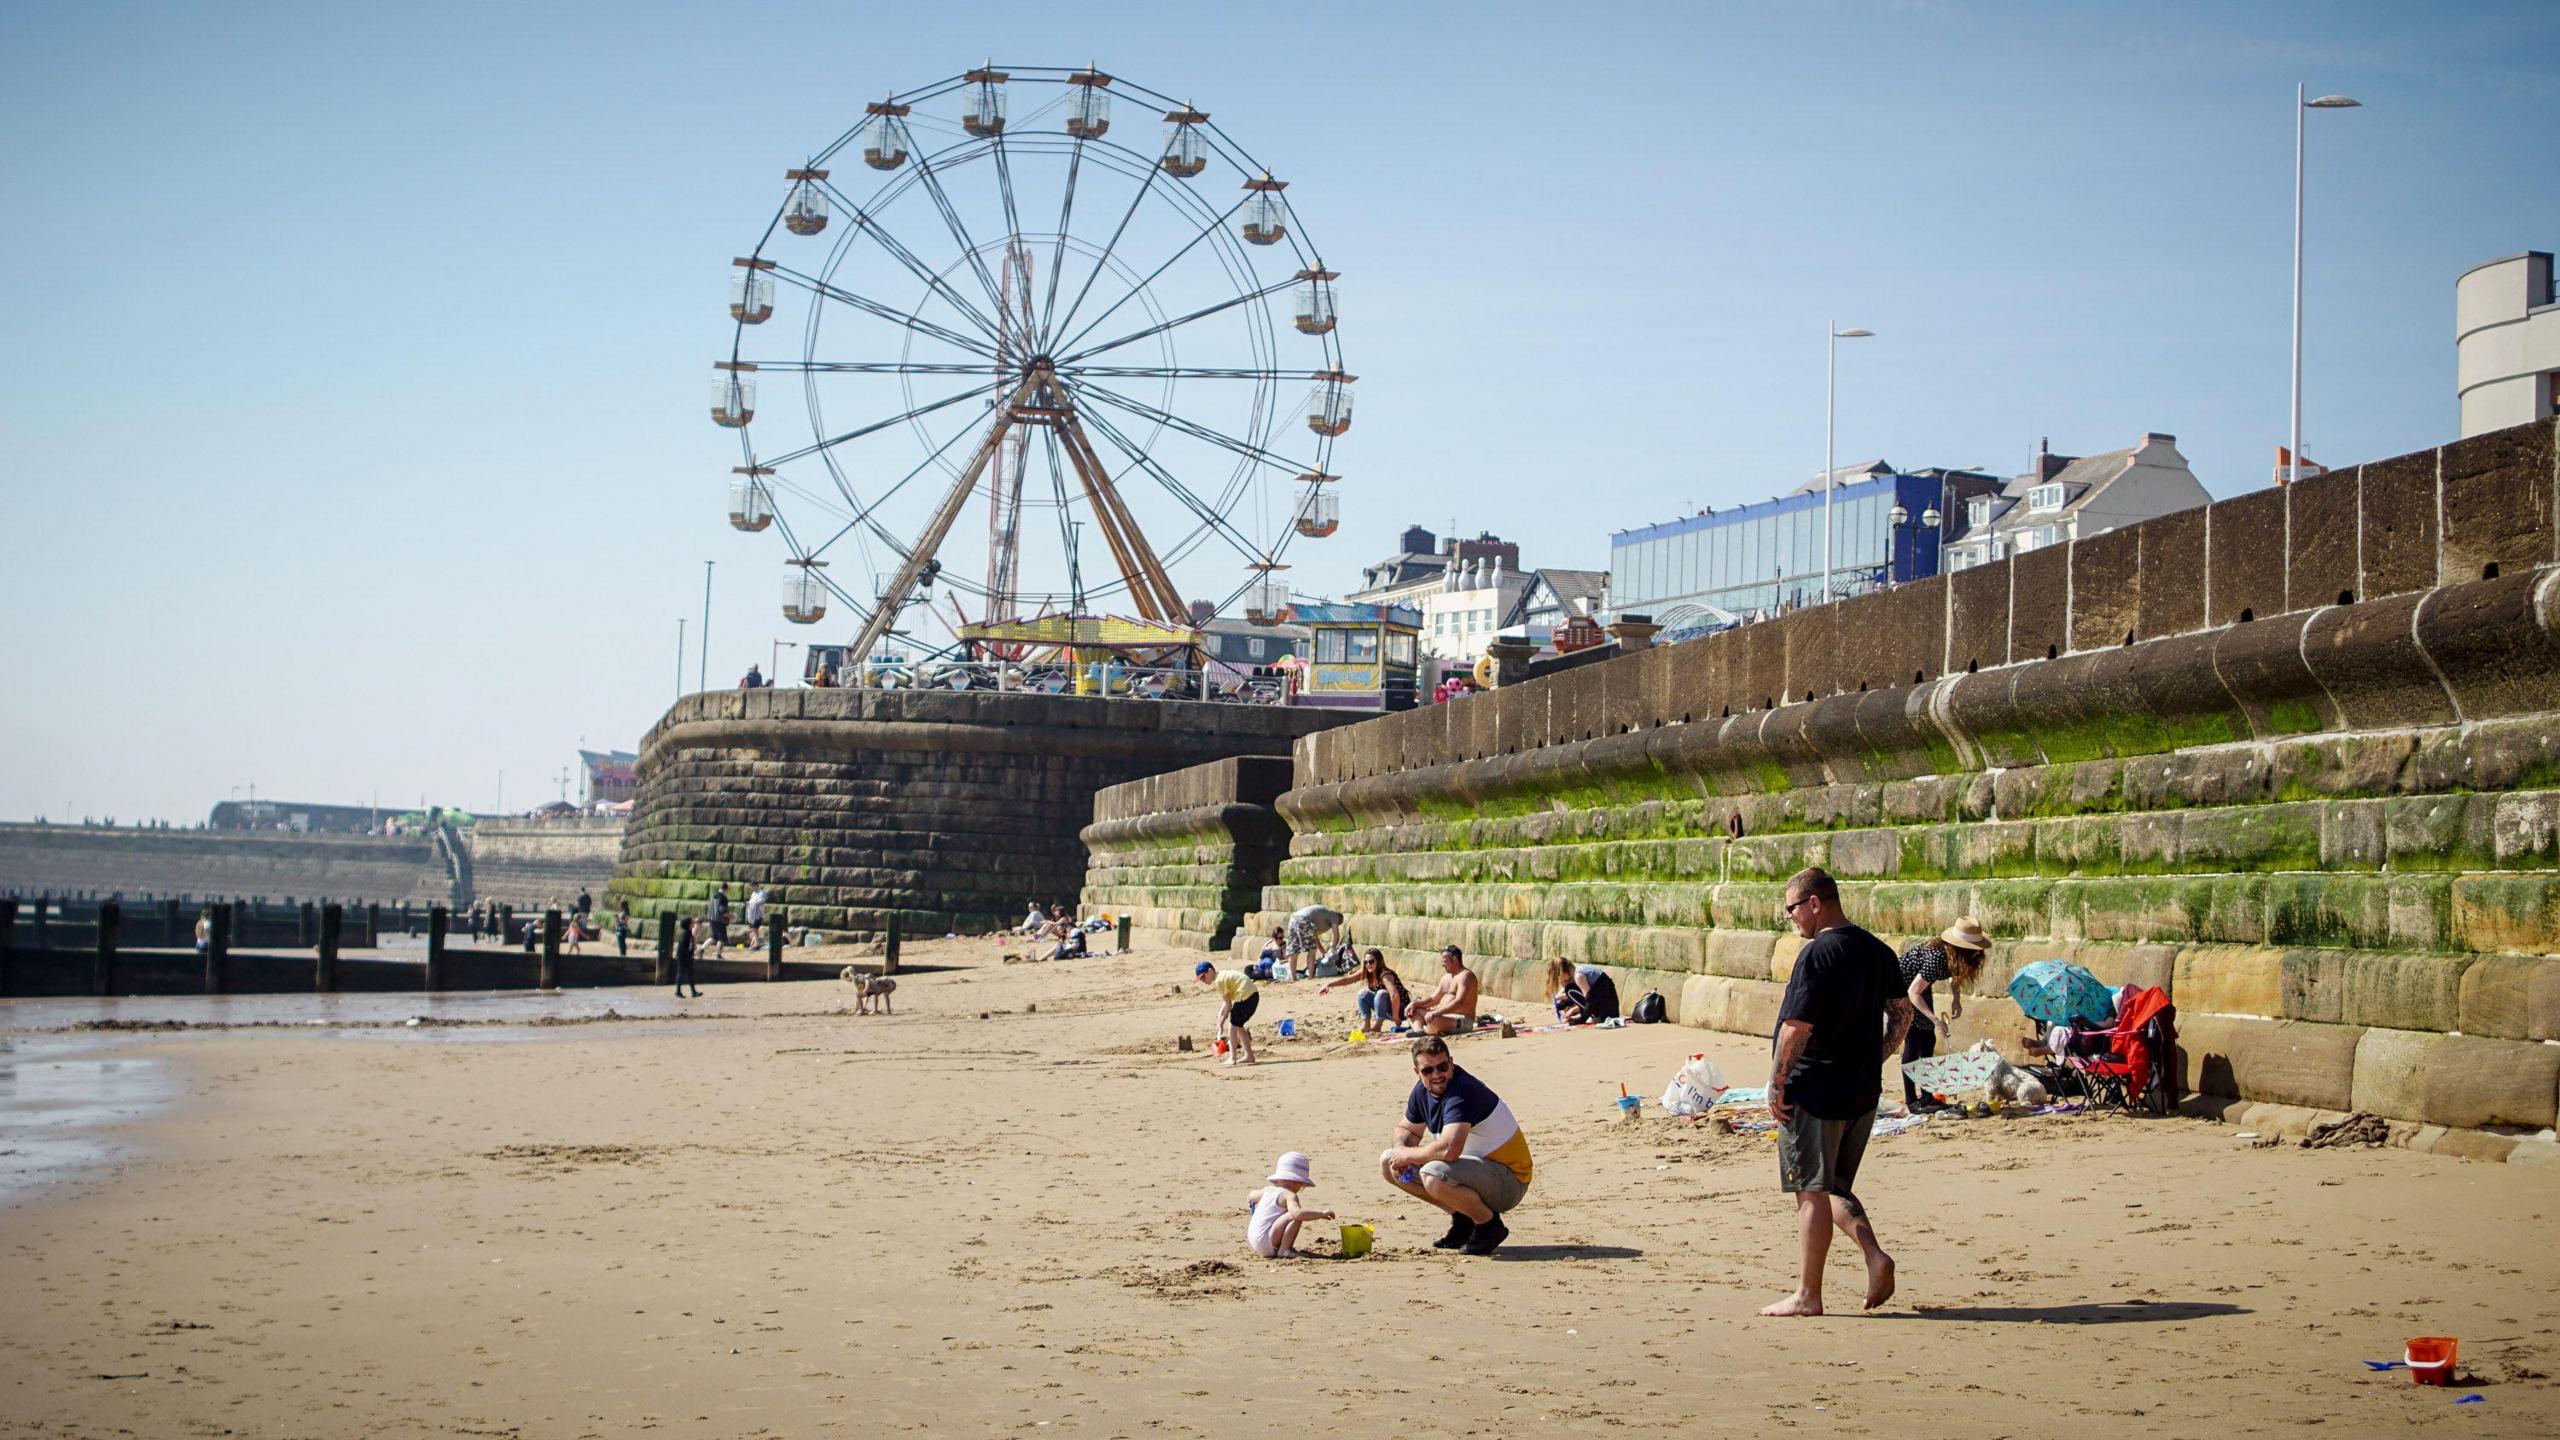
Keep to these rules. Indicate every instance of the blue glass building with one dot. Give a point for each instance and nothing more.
(1756, 560)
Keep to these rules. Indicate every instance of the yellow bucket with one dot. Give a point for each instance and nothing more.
(1355, 1241)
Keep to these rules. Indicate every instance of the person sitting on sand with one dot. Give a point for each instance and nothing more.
(1450, 1008)
(1237, 1000)
(1585, 995)
(1272, 1229)
(1304, 926)
(1458, 1148)
(1955, 956)
(869, 990)
(1274, 949)
(1034, 921)
(1382, 994)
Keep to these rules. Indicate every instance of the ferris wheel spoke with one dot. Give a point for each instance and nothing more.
(1186, 372)
(862, 513)
(1058, 251)
(879, 367)
(1178, 321)
(1191, 428)
(1004, 185)
(1101, 262)
(959, 229)
(894, 316)
(1207, 513)
(805, 451)
(863, 221)
(1205, 232)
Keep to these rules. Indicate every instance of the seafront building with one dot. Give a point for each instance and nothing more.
(2506, 342)
(2066, 498)
(1753, 561)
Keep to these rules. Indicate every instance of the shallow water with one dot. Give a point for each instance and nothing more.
(357, 1009)
(63, 1100)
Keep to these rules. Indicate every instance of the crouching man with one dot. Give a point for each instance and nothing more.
(1459, 1149)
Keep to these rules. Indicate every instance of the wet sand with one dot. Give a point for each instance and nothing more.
(774, 1220)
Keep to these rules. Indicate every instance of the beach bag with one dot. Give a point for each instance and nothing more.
(1650, 1010)
(1695, 1088)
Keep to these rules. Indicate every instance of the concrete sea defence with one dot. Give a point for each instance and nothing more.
(72, 859)
(947, 809)
(2294, 756)
(1185, 855)
(530, 863)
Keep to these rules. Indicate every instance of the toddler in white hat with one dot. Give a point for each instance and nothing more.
(1273, 1230)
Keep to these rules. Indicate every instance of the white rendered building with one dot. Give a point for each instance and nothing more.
(2506, 342)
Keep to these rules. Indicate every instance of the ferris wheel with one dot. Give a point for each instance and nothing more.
(1023, 325)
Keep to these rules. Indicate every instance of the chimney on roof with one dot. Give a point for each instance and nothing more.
(2157, 437)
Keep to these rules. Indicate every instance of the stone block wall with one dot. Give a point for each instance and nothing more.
(530, 863)
(65, 859)
(949, 809)
(2295, 756)
(1186, 854)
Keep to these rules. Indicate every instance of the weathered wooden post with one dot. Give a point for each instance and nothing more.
(772, 944)
(310, 925)
(217, 952)
(507, 926)
(549, 977)
(437, 923)
(170, 920)
(324, 970)
(239, 912)
(408, 925)
(372, 923)
(8, 940)
(110, 920)
(44, 934)
(1124, 934)
(666, 969)
(889, 955)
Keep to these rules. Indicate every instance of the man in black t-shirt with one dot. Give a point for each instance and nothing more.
(1843, 1015)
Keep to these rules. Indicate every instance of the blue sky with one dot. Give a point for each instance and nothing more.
(355, 356)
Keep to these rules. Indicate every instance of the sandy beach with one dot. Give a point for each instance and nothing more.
(1015, 1206)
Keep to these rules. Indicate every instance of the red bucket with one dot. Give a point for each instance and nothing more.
(2431, 1359)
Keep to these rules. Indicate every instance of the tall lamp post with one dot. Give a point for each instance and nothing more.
(1830, 392)
(2293, 434)
(702, 673)
(679, 657)
(773, 665)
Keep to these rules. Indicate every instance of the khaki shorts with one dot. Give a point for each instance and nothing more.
(1821, 1155)
(1493, 1183)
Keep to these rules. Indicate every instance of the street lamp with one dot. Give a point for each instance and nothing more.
(773, 665)
(2293, 447)
(1830, 390)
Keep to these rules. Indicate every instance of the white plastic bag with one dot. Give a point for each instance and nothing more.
(1695, 1088)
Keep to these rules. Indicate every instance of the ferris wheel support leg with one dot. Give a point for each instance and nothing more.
(884, 611)
(1149, 577)
(1117, 527)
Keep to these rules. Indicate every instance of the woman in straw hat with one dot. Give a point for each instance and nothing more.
(1955, 956)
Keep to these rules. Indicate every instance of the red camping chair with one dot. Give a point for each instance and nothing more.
(2138, 1073)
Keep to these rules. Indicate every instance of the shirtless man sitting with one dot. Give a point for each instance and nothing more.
(1450, 1008)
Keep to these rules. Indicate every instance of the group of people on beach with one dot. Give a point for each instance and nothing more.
(1850, 1005)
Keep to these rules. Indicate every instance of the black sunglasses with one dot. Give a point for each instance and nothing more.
(1443, 1068)
(1791, 906)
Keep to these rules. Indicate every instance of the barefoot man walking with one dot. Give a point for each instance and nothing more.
(1844, 1014)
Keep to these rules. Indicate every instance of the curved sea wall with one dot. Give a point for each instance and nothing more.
(2295, 756)
(949, 809)
(133, 862)
(1184, 856)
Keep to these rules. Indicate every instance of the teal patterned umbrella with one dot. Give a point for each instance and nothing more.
(2058, 992)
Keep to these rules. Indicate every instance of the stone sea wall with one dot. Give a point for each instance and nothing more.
(949, 809)
(2295, 756)
(70, 859)
(531, 863)
(1185, 855)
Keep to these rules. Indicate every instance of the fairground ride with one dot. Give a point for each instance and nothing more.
(1063, 321)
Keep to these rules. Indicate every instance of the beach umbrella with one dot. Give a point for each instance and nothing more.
(2058, 992)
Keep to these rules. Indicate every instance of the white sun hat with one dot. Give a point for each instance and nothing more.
(1292, 1166)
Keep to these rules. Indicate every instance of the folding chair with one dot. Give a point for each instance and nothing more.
(2138, 1073)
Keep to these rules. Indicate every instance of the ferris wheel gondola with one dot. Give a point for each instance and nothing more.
(1053, 328)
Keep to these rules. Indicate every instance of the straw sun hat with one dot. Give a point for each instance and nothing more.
(1292, 1166)
(1966, 934)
